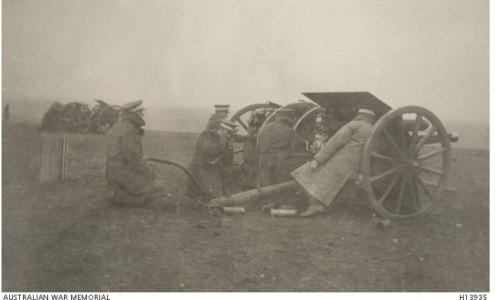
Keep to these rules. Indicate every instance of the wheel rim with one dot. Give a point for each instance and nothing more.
(242, 116)
(305, 125)
(405, 168)
(301, 109)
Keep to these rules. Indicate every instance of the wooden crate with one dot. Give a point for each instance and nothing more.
(54, 158)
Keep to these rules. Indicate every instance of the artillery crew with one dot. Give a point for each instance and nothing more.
(335, 163)
(212, 163)
(128, 176)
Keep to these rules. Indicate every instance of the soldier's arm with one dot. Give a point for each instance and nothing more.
(334, 144)
(210, 147)
(239, 138)
(132, 151)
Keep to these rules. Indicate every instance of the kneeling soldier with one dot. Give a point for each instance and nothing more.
(129, 177)
(212, 163)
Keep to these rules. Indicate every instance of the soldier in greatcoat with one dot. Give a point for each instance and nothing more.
(128, 176)
(335, 163)
(212, 163)
(276, 149)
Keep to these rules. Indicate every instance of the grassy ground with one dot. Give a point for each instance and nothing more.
(66, 237)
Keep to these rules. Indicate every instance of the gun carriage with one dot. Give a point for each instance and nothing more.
(403, 168)
(405, 163)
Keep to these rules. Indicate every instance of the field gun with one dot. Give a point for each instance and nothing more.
(404, 165)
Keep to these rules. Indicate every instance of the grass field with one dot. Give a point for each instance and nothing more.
(66, 236)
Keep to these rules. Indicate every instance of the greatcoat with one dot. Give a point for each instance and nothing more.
(338, 160)
(211, 165)
(127, 174)
(276, 155)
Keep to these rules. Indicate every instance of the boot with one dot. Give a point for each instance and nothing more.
(313, 210)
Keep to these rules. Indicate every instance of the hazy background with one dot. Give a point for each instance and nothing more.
(183, 56)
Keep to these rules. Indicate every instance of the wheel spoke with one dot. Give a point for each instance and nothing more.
(423, 140)
(380, 156)
(430, 170)
(414, 193)
(401, 195)
(392, 142)
(389, 189)
(425, 189)
(429, 183)
(414, 135)
(242, 123)
(385, 174)
(431, 153)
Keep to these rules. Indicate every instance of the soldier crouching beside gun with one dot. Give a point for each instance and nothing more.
(128, 176)
(335, 163)
(212, 163)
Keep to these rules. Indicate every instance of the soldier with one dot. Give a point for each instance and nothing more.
(335, 163)
(212, 162)
(221, 112)
(130, 179)
(276, 149)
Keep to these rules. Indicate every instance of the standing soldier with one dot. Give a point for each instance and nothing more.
(335, 163)
(212, 162)
(129, 177)
(221, 112)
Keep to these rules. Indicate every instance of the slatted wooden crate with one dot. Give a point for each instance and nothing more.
(54, 158)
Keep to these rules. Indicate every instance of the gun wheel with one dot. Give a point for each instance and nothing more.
(404, 168)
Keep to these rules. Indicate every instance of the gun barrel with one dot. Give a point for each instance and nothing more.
(435, 139)
(254, 194)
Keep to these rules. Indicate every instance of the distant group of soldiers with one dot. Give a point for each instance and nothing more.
(269, 156)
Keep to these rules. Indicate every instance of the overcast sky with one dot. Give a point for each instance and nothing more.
(432, 53)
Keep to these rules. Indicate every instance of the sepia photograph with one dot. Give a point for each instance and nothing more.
(245, 146)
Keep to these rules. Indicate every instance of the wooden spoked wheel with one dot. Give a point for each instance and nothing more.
(305, 126)
(301, 109)
(406, 162)
(242, 116)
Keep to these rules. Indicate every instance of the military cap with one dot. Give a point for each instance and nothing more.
(132, 106)
(229, 125)
(221, 107)
(139, 109)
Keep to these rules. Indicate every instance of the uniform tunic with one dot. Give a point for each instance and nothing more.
(127, 174)
(275, 152)
(338, 161)
(211, 165)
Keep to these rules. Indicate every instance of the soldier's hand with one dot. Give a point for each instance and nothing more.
(313, 165)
